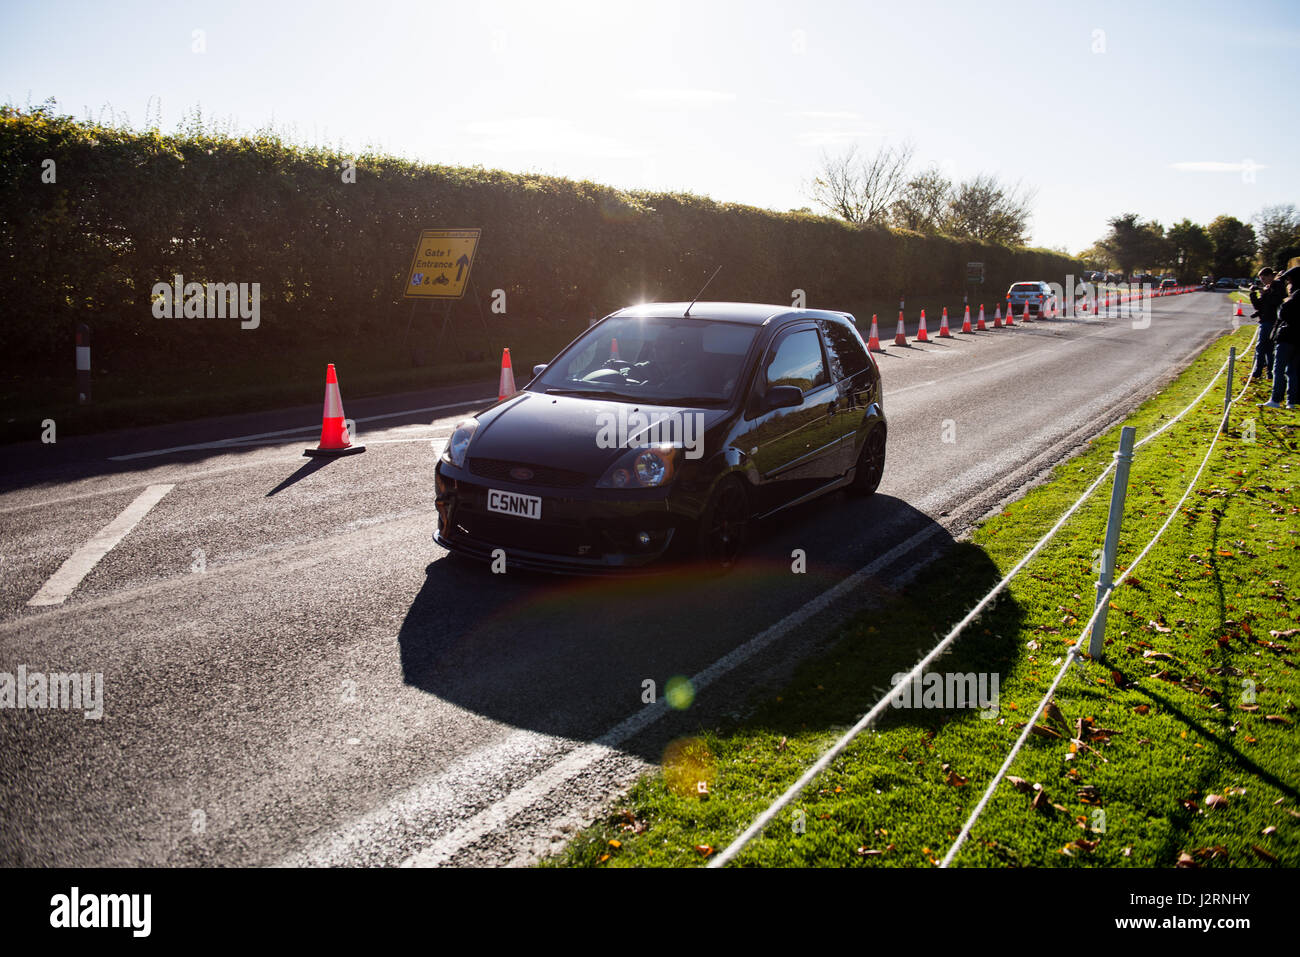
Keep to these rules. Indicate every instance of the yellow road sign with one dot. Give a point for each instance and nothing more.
(440, 269)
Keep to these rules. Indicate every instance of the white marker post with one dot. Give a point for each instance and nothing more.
(1123, 459)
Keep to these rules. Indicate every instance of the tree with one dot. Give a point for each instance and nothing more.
(862, 189)
(923, 205)
(1193, 250)
(1132, 243)
(1234, 246)
(984, 209)
(1279, 235)
(1157, 251)
(1096, 257)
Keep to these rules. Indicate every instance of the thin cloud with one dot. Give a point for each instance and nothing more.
(684, 97)
(826, 114)
(1211, 166)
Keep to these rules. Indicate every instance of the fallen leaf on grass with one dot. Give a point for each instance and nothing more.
(1087, 847)
(1263, 854)
(1055, 714)
(1142, 709)
(1216, 801)
(1277, 719)
(1043, 731)
(1020, 784)
(865, 851)
(704, 850)
(1269, 831)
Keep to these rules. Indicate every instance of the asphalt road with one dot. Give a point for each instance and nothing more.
(293, 673)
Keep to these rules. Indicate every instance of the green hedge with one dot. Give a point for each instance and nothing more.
(129, 209)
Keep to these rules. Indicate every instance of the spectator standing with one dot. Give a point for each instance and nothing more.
(1286, 344)
(1266, 297)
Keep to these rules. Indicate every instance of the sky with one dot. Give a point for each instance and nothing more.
(1169, 110)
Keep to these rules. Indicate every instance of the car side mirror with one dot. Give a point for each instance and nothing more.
(538, 370)
(782, 397)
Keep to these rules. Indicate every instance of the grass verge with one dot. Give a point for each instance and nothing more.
(1178, 750)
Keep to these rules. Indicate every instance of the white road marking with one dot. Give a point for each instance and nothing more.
(234, 440)
(581, 758)
(70, 573)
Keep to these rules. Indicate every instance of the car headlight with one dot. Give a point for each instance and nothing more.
(458, 445)
(642, 468)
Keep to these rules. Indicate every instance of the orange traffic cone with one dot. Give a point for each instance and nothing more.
(1011, 319)
(334, 438)
(900, 337)
(997, 316)
(944, 331)
(1238, 312)
(979, 326)
(507, 387)
(965, 323)
(873, 343)
(1024, 313)
(920, 333)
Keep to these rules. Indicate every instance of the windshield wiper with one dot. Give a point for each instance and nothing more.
(690, 400)
(593, 394)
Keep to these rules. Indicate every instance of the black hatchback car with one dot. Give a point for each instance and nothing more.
(665, 429)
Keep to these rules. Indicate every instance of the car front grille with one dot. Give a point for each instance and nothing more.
(500, 469)
(508, 532)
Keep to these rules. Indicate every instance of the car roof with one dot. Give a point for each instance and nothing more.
(751, 313)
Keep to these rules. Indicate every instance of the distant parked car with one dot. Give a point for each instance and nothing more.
(1033, 294)
(1168, 284)
(1226, 284)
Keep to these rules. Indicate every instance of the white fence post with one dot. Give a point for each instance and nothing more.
(1123, 459)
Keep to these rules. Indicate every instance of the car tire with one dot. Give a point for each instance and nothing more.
(871, 463)
(724, 527)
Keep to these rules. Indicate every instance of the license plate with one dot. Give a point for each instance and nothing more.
(512, 503)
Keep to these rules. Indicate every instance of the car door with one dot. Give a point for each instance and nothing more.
(855, 377)
(794, 449)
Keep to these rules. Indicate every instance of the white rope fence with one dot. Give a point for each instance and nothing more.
(764, 819)
(1076, 648)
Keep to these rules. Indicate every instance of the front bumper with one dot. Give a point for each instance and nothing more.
(581, 530)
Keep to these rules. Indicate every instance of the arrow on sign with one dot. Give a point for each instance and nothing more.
(461, 265)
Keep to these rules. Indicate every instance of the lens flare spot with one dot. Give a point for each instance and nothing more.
(679, 692)
(687, 765)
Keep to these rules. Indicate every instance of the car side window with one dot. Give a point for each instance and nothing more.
(844, 349)
(798, 361)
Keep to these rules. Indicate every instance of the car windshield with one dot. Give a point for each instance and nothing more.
(663, 360)
(1025, 287)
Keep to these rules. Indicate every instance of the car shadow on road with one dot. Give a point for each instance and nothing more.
(573, 657)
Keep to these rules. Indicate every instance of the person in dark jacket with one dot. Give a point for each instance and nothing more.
(1266, 296)
(1286, 345)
